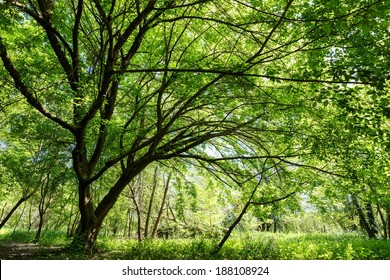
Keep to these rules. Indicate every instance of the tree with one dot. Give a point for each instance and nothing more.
(22, 173)
(135, 82)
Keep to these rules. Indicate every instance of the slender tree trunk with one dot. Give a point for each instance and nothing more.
(371, 219)
(149, 213)
(139, 223)
(243, 211)
(126, 226)
(16, 206)
(169, 210)
(40, 225)
(2, 211)
(30, 219)
(159, 215)
(131, 221)
(20, 217)
(44, 203)
(139, 217)
(74, 224)
(41, 210)
(114, 227)
(275, 220)
(232, 226)
(238, 219)
(388, 223)
(384, 224)
(70, 222)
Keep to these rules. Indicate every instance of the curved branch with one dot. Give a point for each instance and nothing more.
(31, 99)
(272, 201)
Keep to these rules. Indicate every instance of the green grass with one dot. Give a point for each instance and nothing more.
(240, 247)
(48, 238)
(312, 247)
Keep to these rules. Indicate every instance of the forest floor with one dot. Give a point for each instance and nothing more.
(17, 250)
(266, 246)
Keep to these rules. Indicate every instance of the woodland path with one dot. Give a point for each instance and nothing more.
(16, 250)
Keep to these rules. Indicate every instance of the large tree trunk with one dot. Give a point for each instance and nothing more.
(88, 228)
(92, 219)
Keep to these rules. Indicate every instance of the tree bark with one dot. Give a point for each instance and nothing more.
(87, 231)
(363, 222)
(91, 220)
